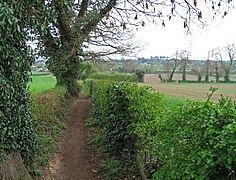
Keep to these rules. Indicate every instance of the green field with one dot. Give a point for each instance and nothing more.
(192, 90)
(35, 73)
(41, 83)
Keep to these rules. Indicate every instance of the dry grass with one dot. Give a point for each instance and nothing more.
(191, 90)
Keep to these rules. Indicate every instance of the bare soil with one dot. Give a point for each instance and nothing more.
(191, 90)
(76, 158)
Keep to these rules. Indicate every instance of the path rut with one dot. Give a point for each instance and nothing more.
(76, 158)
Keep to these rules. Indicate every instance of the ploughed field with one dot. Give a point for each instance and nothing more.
(191, 90)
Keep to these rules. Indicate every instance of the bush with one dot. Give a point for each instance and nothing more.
(127, 113)
(86, 87)
(86, 69)
(49, 110)
(140, 74)
(199, 78)
(195, 140)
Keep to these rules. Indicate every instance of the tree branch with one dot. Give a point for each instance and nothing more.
(97, 17)
(63, 22)
(83, 8)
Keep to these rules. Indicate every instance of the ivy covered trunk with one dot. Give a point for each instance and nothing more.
(207, 70)
(70, 79)
(13, 168)
(184, 74)
(17, 132)
(172, 74)
(207, 76)
(217, 73)
(65, 67)
(64, 30)
(226, 77)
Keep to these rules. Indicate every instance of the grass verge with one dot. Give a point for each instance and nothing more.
(49, 109)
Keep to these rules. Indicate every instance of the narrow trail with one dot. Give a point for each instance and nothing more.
(76, 158)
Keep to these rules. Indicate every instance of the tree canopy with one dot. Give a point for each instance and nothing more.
(64, 29)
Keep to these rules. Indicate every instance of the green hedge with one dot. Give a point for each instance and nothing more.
(195, 140)
(127, 114)
(114, 77)
(49, 110)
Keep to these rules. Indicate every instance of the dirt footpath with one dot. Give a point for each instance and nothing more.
(76, 159)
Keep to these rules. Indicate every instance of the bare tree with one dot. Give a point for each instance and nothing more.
(207, 67)
(216, 54)
(174, 62)
(129, 66)
(106, 41)
(230, 50)
(184, 57)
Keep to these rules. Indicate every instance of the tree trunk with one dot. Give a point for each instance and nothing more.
(70, 77)
(226, 77)
(12, 168)
(184, 74)
(60, 80)
(199, 79)
(72, 87)
(139, 161)
(207, 75)
(66, 70)
(171, 74)
(217, 74)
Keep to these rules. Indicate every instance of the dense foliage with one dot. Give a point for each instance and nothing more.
(140, 75)
(86, 69)
(16, 128)
(195, 140)
(64, 29)
(49, 110)
(126, 114)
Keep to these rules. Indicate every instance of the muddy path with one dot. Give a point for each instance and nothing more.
(76, 158)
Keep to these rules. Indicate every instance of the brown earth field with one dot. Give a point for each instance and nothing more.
(190, 90)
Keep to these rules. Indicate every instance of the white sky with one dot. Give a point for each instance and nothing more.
(164, 41)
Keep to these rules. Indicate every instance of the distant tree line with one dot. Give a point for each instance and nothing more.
(220, 62)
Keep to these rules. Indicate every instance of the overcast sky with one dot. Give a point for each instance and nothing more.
(160, 40)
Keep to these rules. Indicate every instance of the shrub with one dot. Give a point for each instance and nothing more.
(99, 99)
(49, 110)
(86, 86)
(127, 113)
(86, 69)
(199, 78)
(197, 141)
(140, 74)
